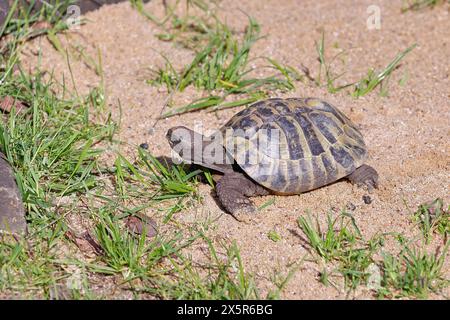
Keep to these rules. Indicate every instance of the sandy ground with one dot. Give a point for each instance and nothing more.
(407, 133)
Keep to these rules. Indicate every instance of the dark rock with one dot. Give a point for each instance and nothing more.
(12, 212)
(144, 146)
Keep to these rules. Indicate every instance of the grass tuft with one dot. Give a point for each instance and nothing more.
(221, 66)
(326, 70)
(330, 243)
(156, 182)
(75, 202)
(190, 29)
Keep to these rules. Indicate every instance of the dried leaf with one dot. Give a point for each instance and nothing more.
(40, 25)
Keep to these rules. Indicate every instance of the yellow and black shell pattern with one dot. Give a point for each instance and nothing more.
(294, 145)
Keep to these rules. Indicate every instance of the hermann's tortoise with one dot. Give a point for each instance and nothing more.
(279, 146)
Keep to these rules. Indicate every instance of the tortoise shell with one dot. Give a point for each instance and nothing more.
(294, 145)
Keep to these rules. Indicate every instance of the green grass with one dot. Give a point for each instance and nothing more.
(221, 68)
(413, 273)
(54, 148)
(266, 204)
(220, 278)
(19, 22)
(274, 236)
(159, 268)
(170, 188)
(380, 78)
(329, 244)
(325, 69)
(189, 29)
(354, 263)
(123, 252)
(341, 243)
(154, 267)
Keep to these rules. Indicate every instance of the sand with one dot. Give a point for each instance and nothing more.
(407, 132)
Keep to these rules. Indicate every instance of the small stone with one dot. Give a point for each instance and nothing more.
(7, 103)
(137, 225)
(350, 206)
(367, 199)
(144, 146)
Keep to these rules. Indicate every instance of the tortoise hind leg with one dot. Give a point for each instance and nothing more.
(233, 190)
(364, 176)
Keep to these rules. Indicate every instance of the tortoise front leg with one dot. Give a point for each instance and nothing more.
(233, 190)
(364, 176)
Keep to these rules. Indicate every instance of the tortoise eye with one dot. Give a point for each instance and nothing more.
(173, 137)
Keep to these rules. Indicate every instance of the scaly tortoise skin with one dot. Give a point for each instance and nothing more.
(317, 145)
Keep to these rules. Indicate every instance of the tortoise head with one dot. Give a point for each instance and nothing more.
(193, 147)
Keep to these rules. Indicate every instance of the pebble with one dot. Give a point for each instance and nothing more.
(144, 146)
(367, 199)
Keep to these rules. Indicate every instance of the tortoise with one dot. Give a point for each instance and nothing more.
(299, 144)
